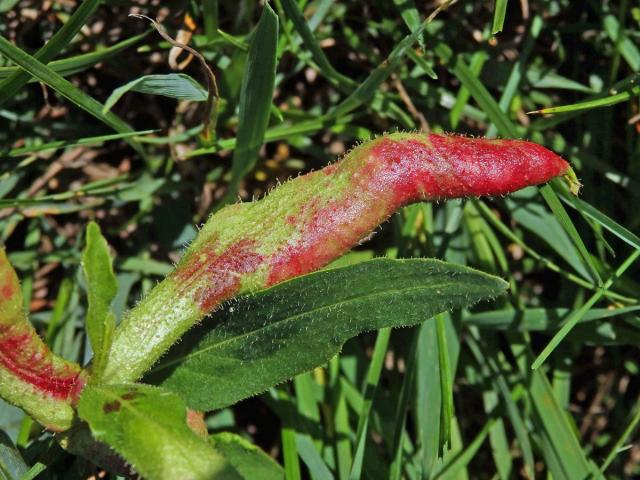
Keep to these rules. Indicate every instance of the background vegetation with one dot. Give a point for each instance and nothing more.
(453, 398)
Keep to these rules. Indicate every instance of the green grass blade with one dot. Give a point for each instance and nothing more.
(451, 469)
(402, 408)
(577, 316)
(617, 446)
(210, 17)
(57, 43)
(78, 63)
(591, 212)
(518, 71)
(255, 99)
(499, 14)
(88, 141)
(608, 101)
(366, 89)
(289, 447)
(428, 397)
(373, 377)
(561, 214)
(293, 12)
(479, 92)
(446, 388)
(409, 13)
(65, 88)
(477, 63)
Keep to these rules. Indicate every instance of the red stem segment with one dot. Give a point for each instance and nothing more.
(31, 376)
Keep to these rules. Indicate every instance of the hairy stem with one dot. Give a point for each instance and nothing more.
(31, 376)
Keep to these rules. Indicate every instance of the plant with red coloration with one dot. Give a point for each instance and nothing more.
(298, 228)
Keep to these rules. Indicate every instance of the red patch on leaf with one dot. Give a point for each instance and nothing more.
(25, 356)
(211, 278)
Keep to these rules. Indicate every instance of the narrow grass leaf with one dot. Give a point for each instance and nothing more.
(621, 41)
(409, 13)
(485, 100)
(256, 92)
(65, 88)
(552, 422)
(98, 140)
(558, 210)
(539, 319)
(495, 368)
(373, 377)
(631, 425)
(499, 14)
(578, 314)
(428, 397)
(591, 212)
(458, 462)
(173, 85)
(297, 18)
(607, 101)
(366, 90)
(300, 324)
(477, 63)
(402, 409)
(311, 458)
(446, 388)
(527, 210)
(10, 86)
(519, 70)
(78, 63)
(12, 465)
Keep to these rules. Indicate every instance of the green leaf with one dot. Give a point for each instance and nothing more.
(324, 65)
(102, 287)
(148, 427)
(12, 466)
(249, 460)
(255, 98)
(538, 319)
(266, 338)
(65, 88)
(172, 85)
(499, 12)
(62, 38)
(593, 213)
(78, 63)
(98, 140)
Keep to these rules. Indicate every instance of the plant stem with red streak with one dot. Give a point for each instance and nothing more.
(311, 220)
(31, 376)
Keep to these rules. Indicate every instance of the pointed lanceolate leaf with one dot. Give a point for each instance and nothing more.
(102, 288)
(172, 85)
(148, 427)
(269, 337)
